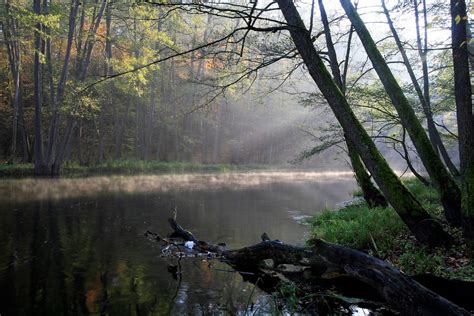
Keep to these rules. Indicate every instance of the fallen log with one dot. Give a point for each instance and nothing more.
(323, 263)
(457, 291)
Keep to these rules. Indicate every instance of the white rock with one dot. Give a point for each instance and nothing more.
(189, 244)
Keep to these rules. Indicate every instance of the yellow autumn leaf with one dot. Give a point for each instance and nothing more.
(457, 19)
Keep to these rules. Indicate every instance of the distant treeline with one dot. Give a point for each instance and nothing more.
(169, 111)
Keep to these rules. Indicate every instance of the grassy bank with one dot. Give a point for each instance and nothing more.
(380, 232)
(126, 167)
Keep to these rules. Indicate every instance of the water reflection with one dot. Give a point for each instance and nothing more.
(84, 252)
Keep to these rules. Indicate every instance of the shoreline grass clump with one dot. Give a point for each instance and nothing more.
(124, 167)
(381, 232)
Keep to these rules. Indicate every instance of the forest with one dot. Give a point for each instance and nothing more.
(181, 107)
(380, 86)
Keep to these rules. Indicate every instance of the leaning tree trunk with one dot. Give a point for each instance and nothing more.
(371, 194)
(422, 225)
(323, 262)
(465, 118)
(432, 130)
(422, 96)
(449, 192)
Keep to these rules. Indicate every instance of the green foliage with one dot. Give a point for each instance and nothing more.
(354, 227)
(73, 169)
(289, 291)
(358, 193)
(23, 14)
(381, 232)
(452, 263)
(16, 170)
(427, 195)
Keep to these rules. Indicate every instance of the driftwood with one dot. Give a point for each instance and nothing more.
(324, 264)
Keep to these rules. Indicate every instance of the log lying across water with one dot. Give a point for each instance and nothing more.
(326, 263)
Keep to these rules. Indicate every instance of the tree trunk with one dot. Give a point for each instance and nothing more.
(216, 144)
(422, 225)
(150, 120)
(433, 132)
(424, 96)
(9, 30)
(371, 194)
(101, 132)
(120, 128)
(53, 139)
(58, 162)
(465, 119)
(24, 136)
(80, 157)
(90, 41)
(39, 162)
(449, 192)
(56, 149)
(52, 92)
(16, 102)
(406, 157)
(107, 70)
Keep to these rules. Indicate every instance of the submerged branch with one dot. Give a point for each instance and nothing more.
(323, 265)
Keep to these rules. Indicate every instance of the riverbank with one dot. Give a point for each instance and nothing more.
(381, 233)
(124, 167)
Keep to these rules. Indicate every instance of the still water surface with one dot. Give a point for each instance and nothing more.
(76, 246)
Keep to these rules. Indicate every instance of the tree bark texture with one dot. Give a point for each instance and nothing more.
(9, 30)
(465, 119)
(39, 162)
(372, 195)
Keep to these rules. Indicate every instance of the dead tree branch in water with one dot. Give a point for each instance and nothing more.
(327, 264)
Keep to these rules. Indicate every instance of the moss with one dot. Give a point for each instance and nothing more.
(382, 233)
(370, 193)
(467, 186)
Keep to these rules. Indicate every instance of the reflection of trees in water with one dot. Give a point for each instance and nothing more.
(81, 257)
(65, 264)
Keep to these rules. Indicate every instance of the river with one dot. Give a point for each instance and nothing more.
(76, 246)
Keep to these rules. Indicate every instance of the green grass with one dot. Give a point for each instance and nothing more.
(381, 232)
(14, 170)
(126, 167)
(354, 226)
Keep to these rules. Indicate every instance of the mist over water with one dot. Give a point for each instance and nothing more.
(79, 245)
(44, 189)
